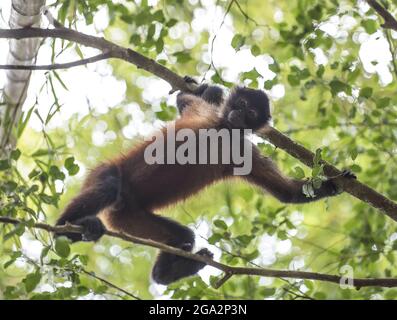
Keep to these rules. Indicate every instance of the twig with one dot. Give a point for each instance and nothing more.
(390, 21)
(358, 282)
(101, 56)
(93, 275)
(221, 281)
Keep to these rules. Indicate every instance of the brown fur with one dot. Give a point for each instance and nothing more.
(133, 190)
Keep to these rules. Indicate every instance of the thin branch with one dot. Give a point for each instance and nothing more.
(390, 21)
(229, 271)
(114, 50)
(93, 275)
(221, 281)
(247, 17)
(101, 56)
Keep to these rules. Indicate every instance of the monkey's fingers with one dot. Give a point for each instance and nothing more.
(205, 252)
(189, 79)
(348, 174)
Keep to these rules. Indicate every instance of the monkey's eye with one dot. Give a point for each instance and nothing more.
(251, 114)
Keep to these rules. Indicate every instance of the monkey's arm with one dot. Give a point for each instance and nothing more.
(265, 174)
(210, 94)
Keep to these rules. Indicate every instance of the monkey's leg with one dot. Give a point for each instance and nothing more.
(168, 267)
(265, 174)
(99, 191)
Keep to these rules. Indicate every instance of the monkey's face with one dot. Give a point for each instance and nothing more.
(247, 109)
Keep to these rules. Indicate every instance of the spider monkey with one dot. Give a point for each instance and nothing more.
(132, 190)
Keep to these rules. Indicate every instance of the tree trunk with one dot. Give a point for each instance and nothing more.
(24, 13)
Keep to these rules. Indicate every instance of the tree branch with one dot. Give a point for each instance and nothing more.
(114, 50)
(229, 271)
(352, 186)
(101, 56)
(390, 21)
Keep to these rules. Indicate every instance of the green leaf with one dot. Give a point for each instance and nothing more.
(171, 22)
(255, 50)
(238, 41)
(24, 122)
(151, 31)
(135, 39)
(353, 154)
(293, 79)
(182, 56)
(269, 84)
(316, 12)
(244, 239)
(167, 113)
(366, 92)
(62, 247)
(18, 230)
(14, 256)
(44, 253)
(15, 154)
(320, 71)
(32, 280)
(267, 292)
(56, 173)
(214, 238)
(159, 45)
(317, 156)
(298, 173)
(220, 224)
(355, 168)
(158, 16)
(60, 80)
(383, 102)
(71, 166)
(47, 199)
(274, 66)
(4, 165)
(370, 26)
(339, 86)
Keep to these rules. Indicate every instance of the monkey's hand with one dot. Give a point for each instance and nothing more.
(346, 173)
(336, 188)
(93, 229)
(189, 80)
(205, 253)
(196, 89)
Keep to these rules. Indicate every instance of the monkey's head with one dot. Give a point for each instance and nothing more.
(247, 109)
